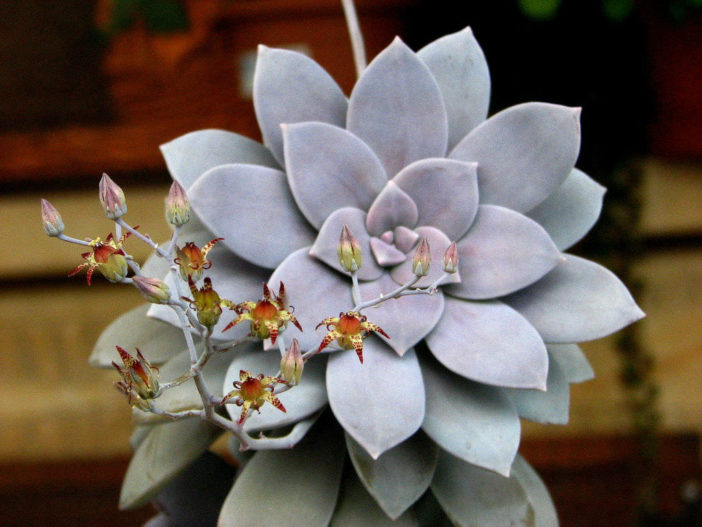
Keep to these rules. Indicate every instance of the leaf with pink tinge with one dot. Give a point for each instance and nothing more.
(524, 153)
(459, 67)
(579, 300)
(391, 208)
(315, 292)
(445, 191)
(289, 87)
(489, 342)
(252, 209)
(380, 403)
(397, 109)
(571, 211)
(474, 422)
(329, 168)
(405, 238)
(300, 402)
(550, 406)
(572, 361)
(406, 319)
(325, 246)
(438, 243)
(386, 254)
(191, 155)
(502, 252)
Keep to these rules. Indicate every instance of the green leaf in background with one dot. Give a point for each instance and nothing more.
(617, 10)
(539, 9)
(164, 16)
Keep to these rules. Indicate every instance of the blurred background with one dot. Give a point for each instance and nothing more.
(92, 86)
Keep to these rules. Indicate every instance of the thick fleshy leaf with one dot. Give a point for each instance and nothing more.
(438, 243)
(386, 254)
(502, 252)
(195, 497)
(572, 361)
(252, 209)
(329, 168)
(356, 508)
(233, 278)
(302, 401)
(445, 191)
(168, 450)
(524, 153)
(472, 421)
(550, 406)
(161, 520)
(400, 476)
(325, 246)
(571, 211)
(405, 238)
(473, 496)
(191, 155)
(537, 493)
(459, 67)
(579, 300)
(156, 340)
(289, 487)
(407, 319)
(155, 266)
(489, 342)
(315, 291)
(380, 403)
(290, 87)
(392, 207)
(397, 109)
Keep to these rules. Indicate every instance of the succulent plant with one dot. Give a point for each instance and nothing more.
(430, 415)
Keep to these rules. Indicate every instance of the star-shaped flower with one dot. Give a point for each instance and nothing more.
(252, 392)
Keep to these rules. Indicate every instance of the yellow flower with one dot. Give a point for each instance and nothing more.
(348, 329)
(253, 392)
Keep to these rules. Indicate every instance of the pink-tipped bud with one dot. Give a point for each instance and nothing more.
(177, 205)
(451, 259)
(291, 364)
(422, 258)
(349, 251)
(112, 198)
(153, 289)
(51, 219)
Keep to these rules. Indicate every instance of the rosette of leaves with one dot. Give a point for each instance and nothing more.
(430, 422)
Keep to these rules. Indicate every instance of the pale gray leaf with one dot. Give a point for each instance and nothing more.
(524, 153)
(438, 243)
(380, 403)
(537, 493)
(572, 361)
(385, 253)
(392, 207)
(397, 109)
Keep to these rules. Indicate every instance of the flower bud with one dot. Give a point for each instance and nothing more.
(177, 205)
(50, 219)
(291, 364)
(349, 251)
(422, 258)
(207, 303)
(153, 289)
(112, 198)
(451, 259)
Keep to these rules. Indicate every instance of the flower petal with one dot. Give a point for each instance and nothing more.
(572, 361)
(400, 476)
(524, 153)
(424, 311)
(503, 252)
(392, 207)
(571, 211)
(445, 191)
(489, 342)
(438, 243)
(380, 403)
(314, 290)
(472, 421)
(329, 168)
(252, 209)
(290, 87)
(356, 508)
(550, 406)
(270, 485)
(300, 402)
(579, 300)
(537, 493)
(325, 246)
(191, 155)
(459, 67)
(473, 496)
(396, 108)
